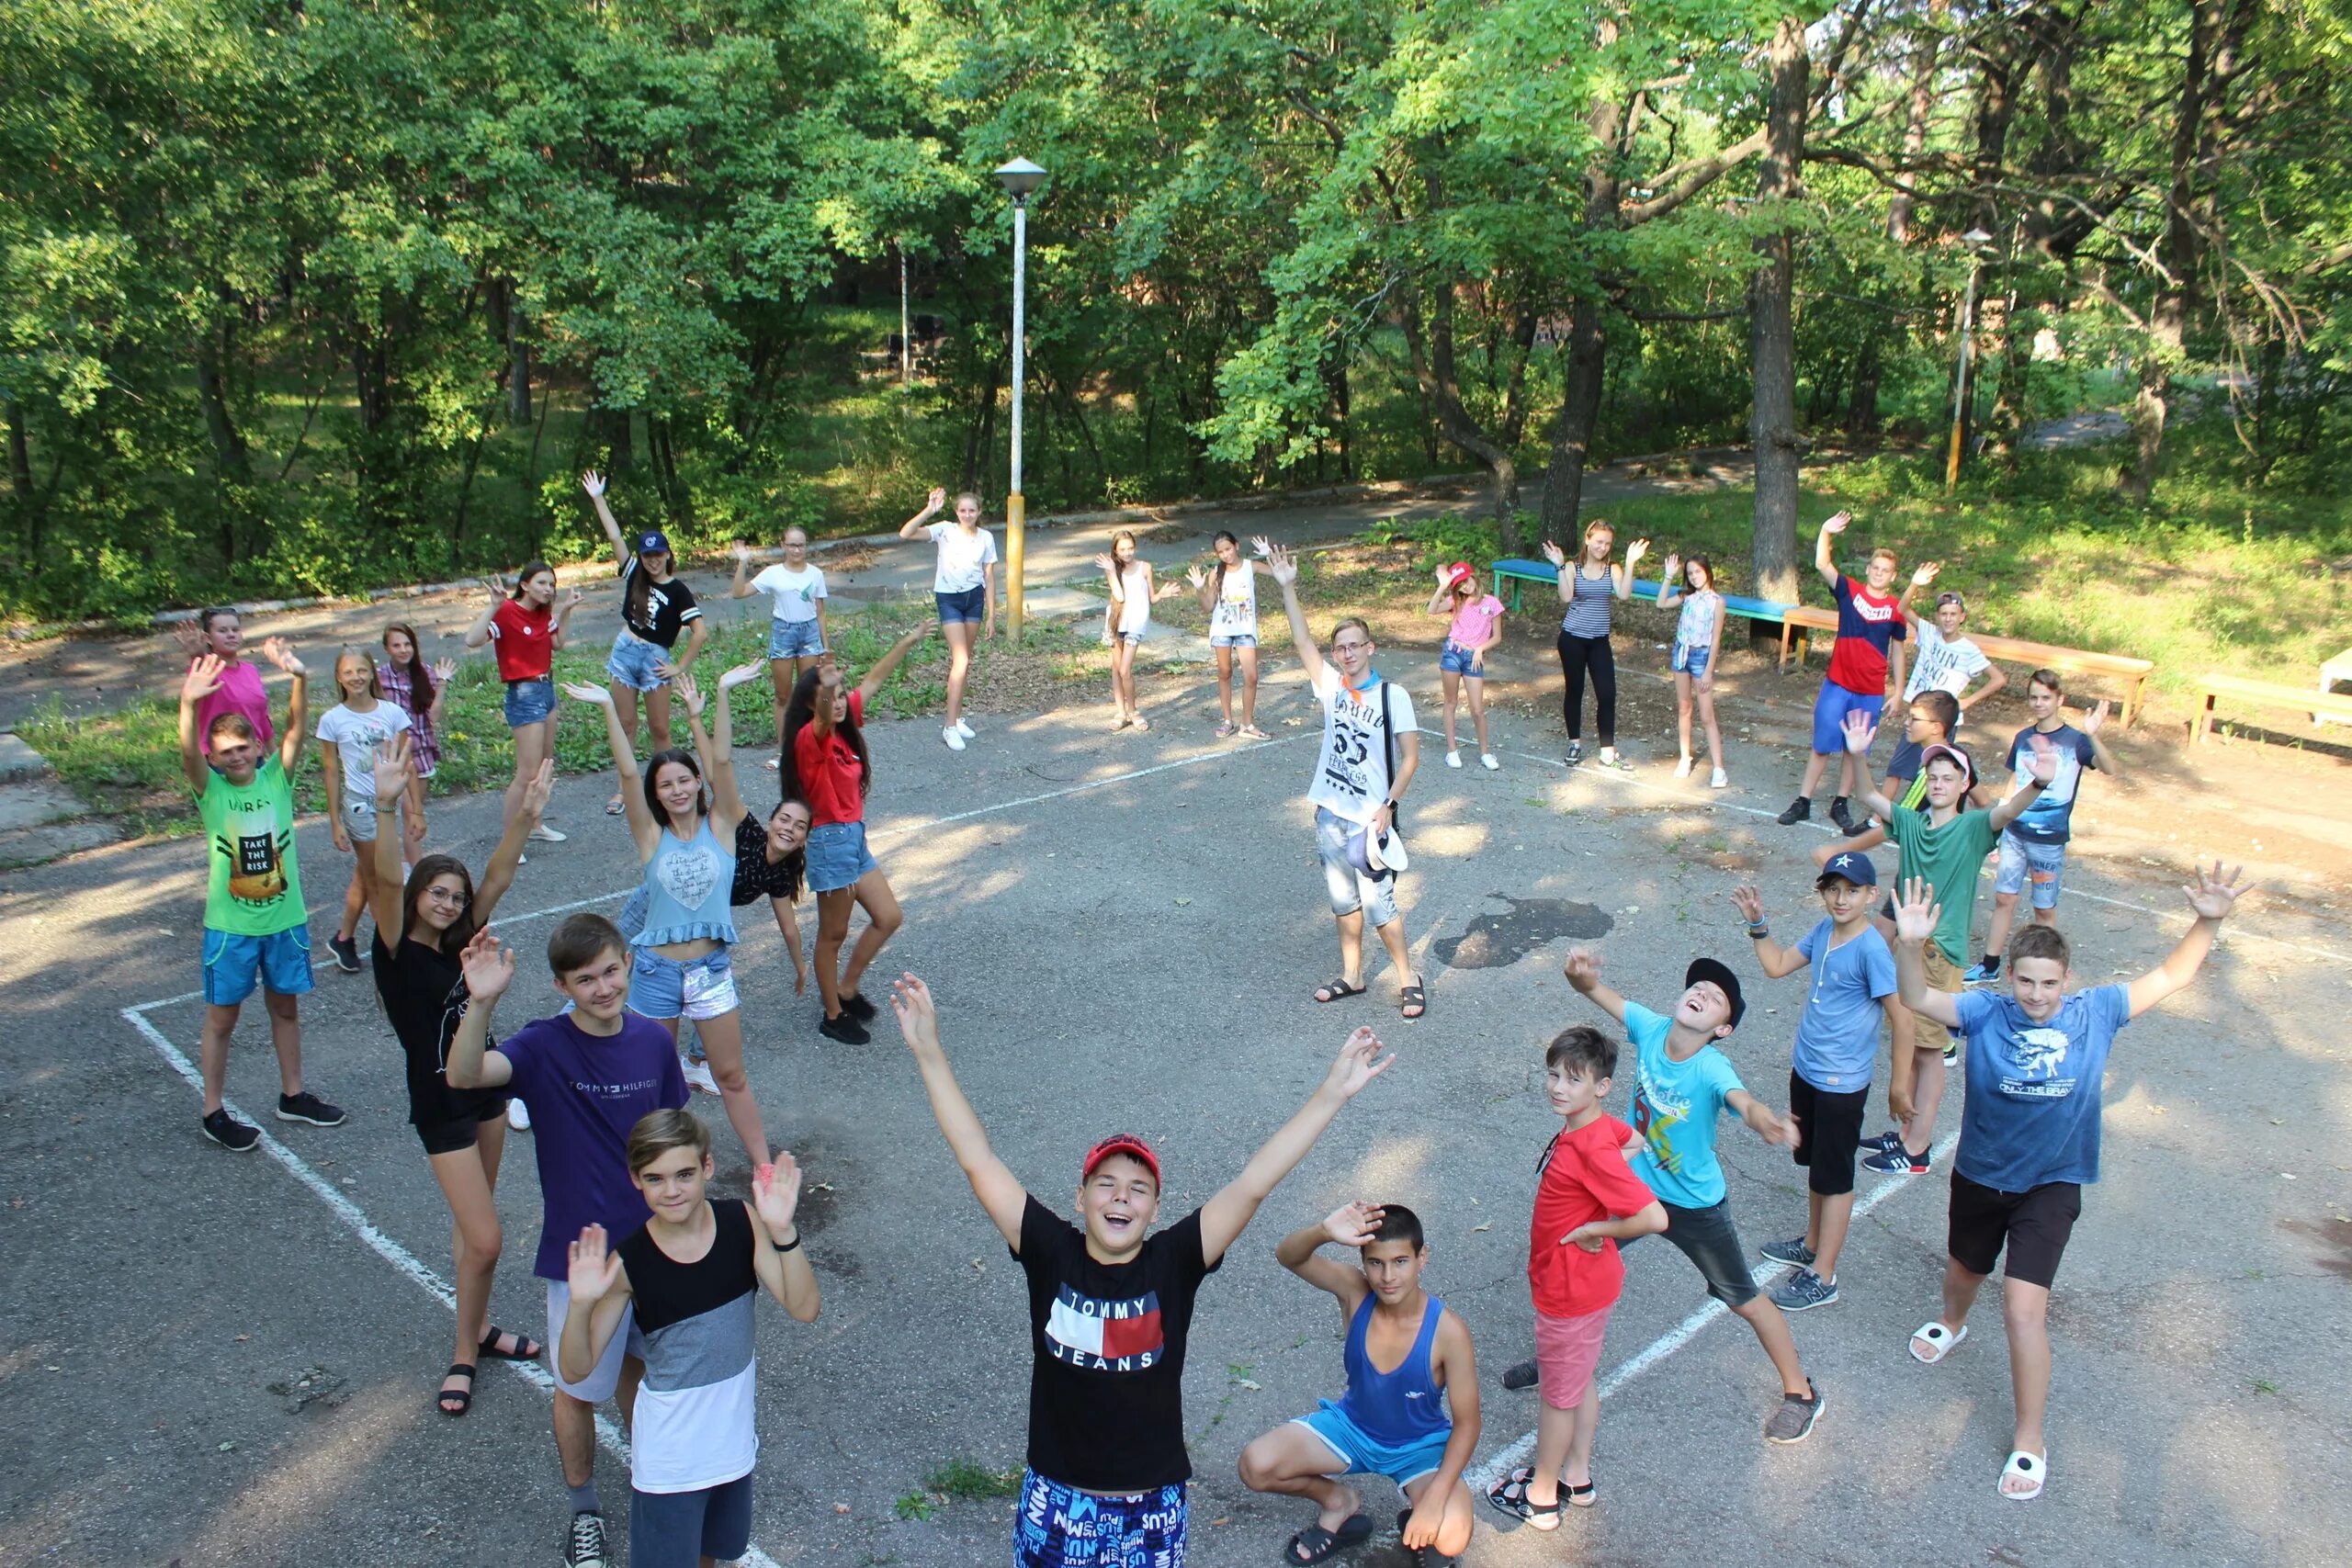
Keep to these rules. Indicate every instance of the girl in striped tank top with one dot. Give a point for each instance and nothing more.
(1587, 587)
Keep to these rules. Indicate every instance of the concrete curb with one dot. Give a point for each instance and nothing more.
(19, 761)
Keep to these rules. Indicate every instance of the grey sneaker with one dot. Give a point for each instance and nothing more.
(585, 1547)
(1795, 1252)
(1802, 1290)
(1792, 1423)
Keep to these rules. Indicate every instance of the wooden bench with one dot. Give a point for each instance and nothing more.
(2318, 705)
(1520, 572)
(2132, 673)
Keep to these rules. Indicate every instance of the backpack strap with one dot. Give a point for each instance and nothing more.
(1388, 755)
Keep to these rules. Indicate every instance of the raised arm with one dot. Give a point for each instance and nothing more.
(2039, 773)
(1109, 565)
(781, 1262)
(912, 528)
(1561, 583)
(719, 758)
(599, 1291)
(641, 825)
(888, 665)
(1350, 1225)
(443, 669)
(1859, 734)
(740, 588)
(1669, 582)
(1622, 576)
(562, 630)
(1158, 590)
(498, 875)
(279, 651)
(1583, 971)
(1202, 590)
(1920, 578)
(1284, 565)
(1823, 562)
(1440, 602)
(593, 483)
(1915, 922)
(2094, 722)
(488, 969)
(2212, 896)
(993, 1183)
(1777, 961)
(1225, 1216)
(202, 680)
(478, 634)
(387, 896)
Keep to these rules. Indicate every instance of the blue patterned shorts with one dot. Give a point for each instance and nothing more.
(1059, 1526)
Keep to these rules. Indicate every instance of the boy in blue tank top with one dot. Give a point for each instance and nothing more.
(1393, 1423)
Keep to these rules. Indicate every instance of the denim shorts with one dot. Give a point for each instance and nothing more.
(1456, 660)
(972, 604)
(838, 857)
(1349, 890)
(1693, 661)
(632, 663)
(529, 702)
(1363, 1454)
(661, 987)
(1056, 1526)
(794, 639)
(1708, 1239)
(2023, 862)
(1133, 639)
(1234, 639)
(280, 962)
(1830, 711)
(678, 1529)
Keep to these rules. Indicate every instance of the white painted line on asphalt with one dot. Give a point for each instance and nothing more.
(1500, 1464)
(355, 1219)
(1712, 802)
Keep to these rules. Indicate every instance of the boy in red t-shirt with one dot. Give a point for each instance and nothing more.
(1587, 1200)
(1870, 634)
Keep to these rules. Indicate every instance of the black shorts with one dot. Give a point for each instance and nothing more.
(449, 1136)
(2034, 1224)
(1708, 1239)
(1830, 1129)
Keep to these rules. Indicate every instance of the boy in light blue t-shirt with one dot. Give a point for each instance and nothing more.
(1831, 1062)
(1682, 1085)
(2029, 1131)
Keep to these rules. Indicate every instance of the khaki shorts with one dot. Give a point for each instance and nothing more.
(1943, 975)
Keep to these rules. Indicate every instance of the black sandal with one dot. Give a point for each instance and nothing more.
(1337, 990)
(1416, 997)
(526, 1348)
(1315, 1543)
(455, 1402)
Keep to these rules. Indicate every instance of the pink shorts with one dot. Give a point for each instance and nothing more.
(1567, 1352)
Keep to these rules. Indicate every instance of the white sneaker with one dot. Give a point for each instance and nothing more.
(1488, 761)
(955, 739)
(517, 1117)
(773, 765)
(965, 729)
(1719, 780)
(547, 835)
(698, 1076)
(1682, 769)
(1454, 759)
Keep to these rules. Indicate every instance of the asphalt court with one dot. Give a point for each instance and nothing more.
(1122, 933)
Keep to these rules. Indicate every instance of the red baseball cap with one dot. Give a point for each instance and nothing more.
(1120, 1144)
(1460, 571)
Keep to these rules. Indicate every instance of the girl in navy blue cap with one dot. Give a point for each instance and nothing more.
(656, 606)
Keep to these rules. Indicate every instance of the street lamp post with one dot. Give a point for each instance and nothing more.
(1975, 240)
(1020, 178)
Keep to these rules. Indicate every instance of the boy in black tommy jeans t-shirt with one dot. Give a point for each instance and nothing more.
(1109, 1308)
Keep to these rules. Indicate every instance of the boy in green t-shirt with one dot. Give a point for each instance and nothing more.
(1944, 845)
(255, 929)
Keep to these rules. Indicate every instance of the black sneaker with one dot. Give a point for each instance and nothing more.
(230, 1133)
(858, 1007)
(309, 1106)
(1800, 810)
(845, 1029)
(346, 953)
(1576, 752)
(1838, 814)
(586, 1547)
(1521, 1375)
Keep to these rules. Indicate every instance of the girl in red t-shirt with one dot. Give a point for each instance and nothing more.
(523, 630)
(825, 763)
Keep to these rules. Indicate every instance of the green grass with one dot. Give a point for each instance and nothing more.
(968, 1480)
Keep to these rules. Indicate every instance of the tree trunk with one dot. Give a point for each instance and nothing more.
(230, 459)
(1579, 414)
(1915, 122)
(1431, 347)
(20, 456)
(518, 356)
(1861, 403)
(1780, 450)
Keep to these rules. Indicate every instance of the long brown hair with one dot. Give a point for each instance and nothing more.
(800, 713)
(461, 929)
(420, 680)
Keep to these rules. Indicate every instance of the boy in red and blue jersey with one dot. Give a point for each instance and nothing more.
(1870, 626)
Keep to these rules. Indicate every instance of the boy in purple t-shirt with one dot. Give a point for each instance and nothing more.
(588, 1076)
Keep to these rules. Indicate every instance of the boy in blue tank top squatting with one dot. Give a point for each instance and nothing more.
(1392, 1423)
(2030, 1131)
(1110, 1311)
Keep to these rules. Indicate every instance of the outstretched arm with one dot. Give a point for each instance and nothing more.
(2039, 773)
(1350, 1225)
(1859, 734)
(387, 896)
(279, 651)
(2213, 895)
(885, 666)
(202, 680)
(1225, 1216)
(593, 483)
(1284, 567)
(1776, 960)
(993, 1183)
(641, 825)
(1583, 970)
(912, 528)
(499, 875)
(1763, 1119)
(1823, 562)
(1916, 915)
(715, 749)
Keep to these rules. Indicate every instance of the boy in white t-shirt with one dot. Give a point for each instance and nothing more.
(1372, 745)
(1947, 661)
(797, 632)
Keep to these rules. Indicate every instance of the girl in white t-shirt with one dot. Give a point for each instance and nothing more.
(1133, 594)
(1228, 593)
(796, 622)
(965, 587)
(1698, 640)
(349, 735)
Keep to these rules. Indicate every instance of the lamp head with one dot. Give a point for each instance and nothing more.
(1019, 177)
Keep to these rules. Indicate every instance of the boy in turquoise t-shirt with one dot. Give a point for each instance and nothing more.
(255, 929)
(1682, 1085)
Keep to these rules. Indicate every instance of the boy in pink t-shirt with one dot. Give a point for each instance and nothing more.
(1476, 625)
(221, 633)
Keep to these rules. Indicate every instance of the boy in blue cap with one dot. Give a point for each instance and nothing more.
(1835, 1051)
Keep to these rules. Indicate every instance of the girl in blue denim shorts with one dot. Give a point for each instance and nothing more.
(1698, 639)
(657, 608)
(525, 630)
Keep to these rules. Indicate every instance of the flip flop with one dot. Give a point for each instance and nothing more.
(1337, 990)
(1315, 1543)
(456, 1401)
(526, 1348)
(1252, 732)
(1225, 729)
(1941, 1342)
(2034, 1468)
(1413, 998)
